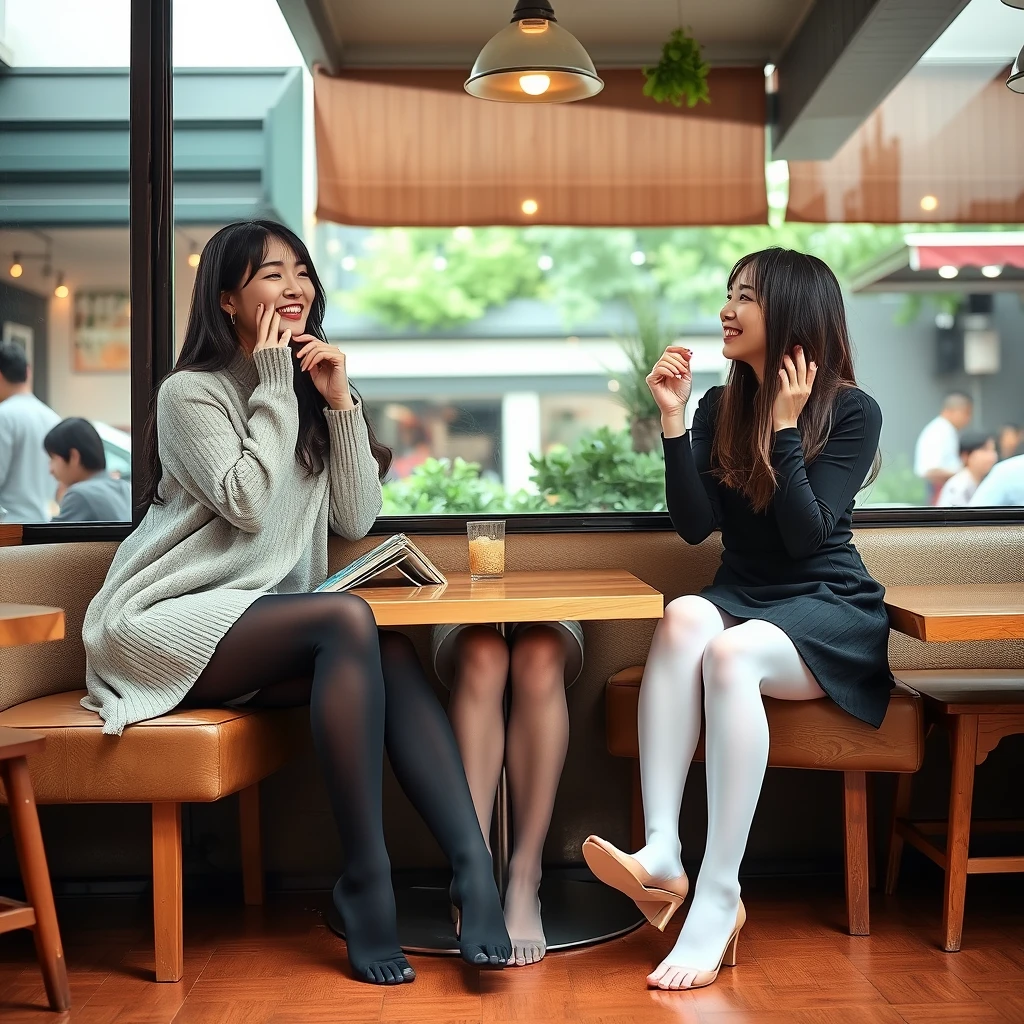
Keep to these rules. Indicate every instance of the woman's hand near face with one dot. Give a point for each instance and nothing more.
(796, 378)
(325, 363)
(268, 329)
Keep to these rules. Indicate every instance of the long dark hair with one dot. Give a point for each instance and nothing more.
(802, 305)
(229, 261)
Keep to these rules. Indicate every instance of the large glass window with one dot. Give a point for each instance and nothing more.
(64, 310)
(505, 365)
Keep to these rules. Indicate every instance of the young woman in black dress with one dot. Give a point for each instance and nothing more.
(773, 459)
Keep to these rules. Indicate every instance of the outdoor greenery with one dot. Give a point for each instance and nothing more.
(681, 74)
(600, 473)
(430, 278)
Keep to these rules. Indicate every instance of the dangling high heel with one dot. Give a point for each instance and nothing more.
(657, 899)
(728, 958)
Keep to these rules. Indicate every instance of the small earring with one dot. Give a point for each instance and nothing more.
(232, 318)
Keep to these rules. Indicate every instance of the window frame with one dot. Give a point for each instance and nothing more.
(151, 242)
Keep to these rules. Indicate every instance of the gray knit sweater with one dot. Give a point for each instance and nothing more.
(242, 519)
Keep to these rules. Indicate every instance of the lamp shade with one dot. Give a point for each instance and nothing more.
(1019, 4)
(1016, 79)
(534, 60)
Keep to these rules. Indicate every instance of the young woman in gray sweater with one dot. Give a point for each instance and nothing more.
(256, 448)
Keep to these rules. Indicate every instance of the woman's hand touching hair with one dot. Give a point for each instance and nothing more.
(796, 378)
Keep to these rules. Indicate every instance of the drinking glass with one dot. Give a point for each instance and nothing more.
(486, 549)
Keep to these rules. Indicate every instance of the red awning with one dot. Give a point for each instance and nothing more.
(928, 254)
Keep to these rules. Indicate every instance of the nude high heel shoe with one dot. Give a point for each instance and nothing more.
(704, 978)
(657, 899)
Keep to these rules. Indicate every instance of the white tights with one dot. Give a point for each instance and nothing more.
(738, 664)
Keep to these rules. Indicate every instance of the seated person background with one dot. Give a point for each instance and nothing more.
(1011, 440)
(978, 454)
(475, 662)
(78, 463)
(1003, 486)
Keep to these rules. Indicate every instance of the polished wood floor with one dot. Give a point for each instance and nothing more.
(280, 965)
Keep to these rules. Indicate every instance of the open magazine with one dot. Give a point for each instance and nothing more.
(397, 552)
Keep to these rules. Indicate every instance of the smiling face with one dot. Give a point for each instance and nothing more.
(281, 282)
(743, 330)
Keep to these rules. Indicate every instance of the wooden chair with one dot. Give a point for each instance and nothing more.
(38, 913)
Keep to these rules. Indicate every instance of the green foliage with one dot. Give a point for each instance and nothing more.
(643, 347)
(401, 286)
(600, 473)
(681, 74)
(896, 485)
(438, 486)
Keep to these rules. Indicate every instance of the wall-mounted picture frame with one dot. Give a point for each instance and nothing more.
(101, 332)
(22, 335)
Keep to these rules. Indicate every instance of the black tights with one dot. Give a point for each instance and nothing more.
(367, 691)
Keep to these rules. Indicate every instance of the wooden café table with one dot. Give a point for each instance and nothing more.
(576, 910)
(978, 709)
(29, 624)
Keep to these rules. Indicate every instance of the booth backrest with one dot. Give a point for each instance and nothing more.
(68, 575)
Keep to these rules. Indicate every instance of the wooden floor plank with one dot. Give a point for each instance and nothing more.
(278, 964)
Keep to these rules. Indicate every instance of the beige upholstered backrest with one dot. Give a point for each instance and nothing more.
(68, 575)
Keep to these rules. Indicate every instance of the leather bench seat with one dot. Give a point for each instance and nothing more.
(183, 757)
(804, 734)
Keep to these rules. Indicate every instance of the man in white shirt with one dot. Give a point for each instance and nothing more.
(979, 454)
(1003, 486)
(937, 452)
(26, 487)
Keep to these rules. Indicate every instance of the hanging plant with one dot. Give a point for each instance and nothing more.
(680, 74)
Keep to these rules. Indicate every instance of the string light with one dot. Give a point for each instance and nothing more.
(545, 262)
(948, 272)
(530, 207)
(61, 291)
(16, 268)
(193, 260)
(929, 203)
(638, 259)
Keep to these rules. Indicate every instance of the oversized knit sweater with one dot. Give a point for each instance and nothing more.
(241, 519)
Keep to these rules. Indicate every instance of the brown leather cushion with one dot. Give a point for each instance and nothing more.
(804, 734)
(186, 756)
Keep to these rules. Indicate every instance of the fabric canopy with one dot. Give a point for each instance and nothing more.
(946, 146)
(410, 148)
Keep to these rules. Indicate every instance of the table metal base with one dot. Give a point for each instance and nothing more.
(577, 911)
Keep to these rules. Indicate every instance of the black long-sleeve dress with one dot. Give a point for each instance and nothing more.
(795, 564)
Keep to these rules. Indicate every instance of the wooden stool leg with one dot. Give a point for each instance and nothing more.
(252, 846)
(870, 808)
(856, 834)
(28, 840)
(961, 792)
(637, 832)
(900, 811)
(168, 937)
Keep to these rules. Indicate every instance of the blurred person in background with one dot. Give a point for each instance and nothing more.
(1011, 440)
(26, 487)
(78, 463)
(937, 452)
(1003, 486)
(978, 454)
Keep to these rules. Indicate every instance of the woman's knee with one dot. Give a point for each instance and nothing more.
(395, 645)
(690, 619)
(347, 615)
(481, 659)
(730, 661)
(538, 661)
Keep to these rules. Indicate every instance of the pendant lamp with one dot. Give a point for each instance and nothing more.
(1016, 79)
(534, 60)
(1019, 4)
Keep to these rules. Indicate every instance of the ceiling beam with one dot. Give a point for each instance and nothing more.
(311, 28)
(845, 59)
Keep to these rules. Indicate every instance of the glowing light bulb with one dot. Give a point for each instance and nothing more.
(348, 263)
(638, 259)
(948, 272)
(929, 203)
(440, 263)
(193, 260)
(61, 291)
(530, 207)
(545, 262)
(613, 386)
(535, 85)
(992, 270)
(17, 269)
